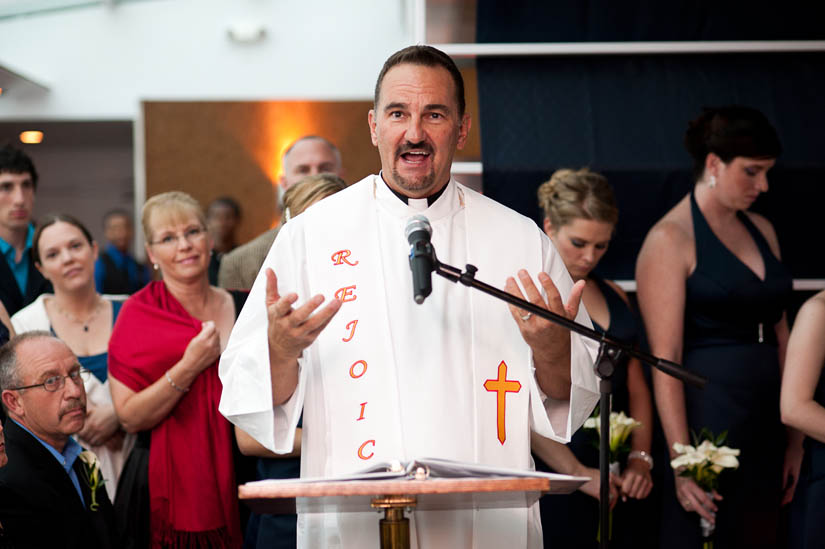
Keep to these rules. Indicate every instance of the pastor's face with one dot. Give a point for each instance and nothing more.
(417, 128)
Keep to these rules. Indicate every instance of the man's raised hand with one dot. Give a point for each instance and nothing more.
(549, 342)
(290, 330)
(542, 335)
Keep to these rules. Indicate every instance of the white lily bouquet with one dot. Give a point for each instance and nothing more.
(621, 426)
(703, 462)
(94, 478)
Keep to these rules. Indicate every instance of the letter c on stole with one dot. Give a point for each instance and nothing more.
(361, 450)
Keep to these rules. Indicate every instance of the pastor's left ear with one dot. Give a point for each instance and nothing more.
(464, 130)
(373, 131)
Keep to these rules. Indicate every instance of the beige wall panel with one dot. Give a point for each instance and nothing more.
(210, 149)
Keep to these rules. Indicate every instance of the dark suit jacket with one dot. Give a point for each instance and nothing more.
(10, 294)
(39, 506)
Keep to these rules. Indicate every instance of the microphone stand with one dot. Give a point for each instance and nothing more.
(610, 350)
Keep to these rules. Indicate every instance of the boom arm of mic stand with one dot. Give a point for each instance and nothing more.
(467, 278)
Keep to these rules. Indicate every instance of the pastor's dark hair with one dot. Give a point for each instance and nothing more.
(426, 56)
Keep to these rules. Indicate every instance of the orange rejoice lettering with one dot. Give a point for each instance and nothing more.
(352, 323)
(352, 369)
(501, 387)
(340, 257)
(361, 450)
(363, 405)
(345, 294)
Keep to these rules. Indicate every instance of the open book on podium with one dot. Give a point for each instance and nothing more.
(433, 484)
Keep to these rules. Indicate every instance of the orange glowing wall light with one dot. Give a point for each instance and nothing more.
(31, 137)
(282, 124)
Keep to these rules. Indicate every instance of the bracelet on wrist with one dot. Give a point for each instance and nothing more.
(175, 387)
(643, 456)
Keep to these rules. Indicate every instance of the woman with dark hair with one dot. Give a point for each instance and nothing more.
(64, 252)
(713, 291)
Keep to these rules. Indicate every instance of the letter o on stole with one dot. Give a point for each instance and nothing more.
(352, 369)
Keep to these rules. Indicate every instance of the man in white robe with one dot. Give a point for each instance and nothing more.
(378, 378)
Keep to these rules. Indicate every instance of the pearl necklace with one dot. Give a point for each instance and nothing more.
(72, 318)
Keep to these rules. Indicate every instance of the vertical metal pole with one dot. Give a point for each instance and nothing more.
(604, 466)
(605, 368)
(139, 172)
(395, 529)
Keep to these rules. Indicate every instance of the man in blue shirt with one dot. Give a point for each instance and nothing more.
(20, 281)
(116, 271)
(49, 494)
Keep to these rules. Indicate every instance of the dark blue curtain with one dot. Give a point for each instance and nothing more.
(625, 116)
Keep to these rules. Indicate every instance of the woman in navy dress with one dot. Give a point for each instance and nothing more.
(580, 215)
(803, 407)
(713, 293)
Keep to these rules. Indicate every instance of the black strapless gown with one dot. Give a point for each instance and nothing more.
(730, 339)
(807, 525)
(572, 520)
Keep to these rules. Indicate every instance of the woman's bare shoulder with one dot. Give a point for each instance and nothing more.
(675, 228)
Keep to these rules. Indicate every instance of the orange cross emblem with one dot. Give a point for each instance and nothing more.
(501, 387)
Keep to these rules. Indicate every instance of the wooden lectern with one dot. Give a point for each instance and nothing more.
(396, 495)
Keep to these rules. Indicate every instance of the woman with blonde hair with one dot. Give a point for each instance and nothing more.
(164, 378)
(580, 215)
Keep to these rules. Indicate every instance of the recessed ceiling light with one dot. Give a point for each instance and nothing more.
(32, 137)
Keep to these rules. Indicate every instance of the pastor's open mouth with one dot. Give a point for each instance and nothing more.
(415, 157)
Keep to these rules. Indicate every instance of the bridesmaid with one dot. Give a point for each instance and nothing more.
(713, 292)
(580, 216)
(803, 407)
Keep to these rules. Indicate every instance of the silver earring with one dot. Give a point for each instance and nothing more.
(712, 181)
(155, 265)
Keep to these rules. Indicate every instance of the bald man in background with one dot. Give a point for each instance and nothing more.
(308, 155)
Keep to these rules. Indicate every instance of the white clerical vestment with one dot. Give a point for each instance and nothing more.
(388, 379)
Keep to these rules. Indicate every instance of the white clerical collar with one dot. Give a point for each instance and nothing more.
(449, 200)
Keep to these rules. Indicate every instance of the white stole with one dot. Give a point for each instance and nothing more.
(355, 350)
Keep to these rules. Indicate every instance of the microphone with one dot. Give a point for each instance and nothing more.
(422, 257)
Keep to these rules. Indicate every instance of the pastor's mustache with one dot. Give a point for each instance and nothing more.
(423, 146)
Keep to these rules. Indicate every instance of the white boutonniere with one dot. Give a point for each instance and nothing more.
(93, 476)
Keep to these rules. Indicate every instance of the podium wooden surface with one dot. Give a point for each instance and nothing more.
(430, 494)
